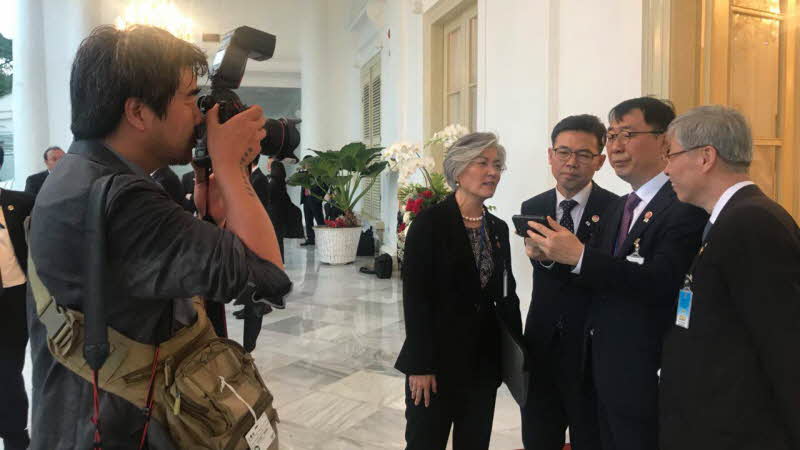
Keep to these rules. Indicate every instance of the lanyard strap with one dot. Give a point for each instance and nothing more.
(687, 283)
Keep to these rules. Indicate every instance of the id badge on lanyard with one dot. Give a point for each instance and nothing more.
(684, 312)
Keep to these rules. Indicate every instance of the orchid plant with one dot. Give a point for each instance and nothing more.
(407, 158)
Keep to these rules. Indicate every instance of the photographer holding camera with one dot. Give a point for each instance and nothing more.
(134, 109)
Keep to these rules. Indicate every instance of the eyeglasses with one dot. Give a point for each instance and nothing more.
(623, 137)
(582, 156)
(668, 156)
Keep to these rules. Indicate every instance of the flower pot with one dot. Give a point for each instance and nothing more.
(337, 245)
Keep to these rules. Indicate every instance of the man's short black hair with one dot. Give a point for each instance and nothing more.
(582, 122)
(2, 156)
(113, 65)
(657, 113)
(51, 148)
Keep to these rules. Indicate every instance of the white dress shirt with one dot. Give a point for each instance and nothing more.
(10, 269)
(646, 192)
(725, 198)
(581, 197)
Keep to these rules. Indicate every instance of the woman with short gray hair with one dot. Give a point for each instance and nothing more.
(457, 267)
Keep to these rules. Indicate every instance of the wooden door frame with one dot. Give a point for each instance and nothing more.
(663, 19)
(433, 89)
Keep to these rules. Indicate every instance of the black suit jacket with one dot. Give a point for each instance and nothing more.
(557, 304)
(170, 182)
(16, 207)
(451, 327)
(261, 186)
(633, 304)
(732, 379)
(34, 182)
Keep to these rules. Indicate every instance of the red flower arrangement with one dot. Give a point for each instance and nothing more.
(338, 223)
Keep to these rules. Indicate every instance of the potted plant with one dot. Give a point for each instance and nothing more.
(346, 175)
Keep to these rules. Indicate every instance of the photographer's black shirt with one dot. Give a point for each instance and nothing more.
(158, 255)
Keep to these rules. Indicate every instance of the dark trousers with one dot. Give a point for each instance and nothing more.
(560, 396)
(13, 339)
(469, 410)
(312, 212)
(622, 429)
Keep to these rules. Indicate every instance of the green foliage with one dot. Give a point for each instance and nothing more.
(346, 174)
(6, 65)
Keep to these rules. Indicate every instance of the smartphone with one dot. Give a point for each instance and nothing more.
(521, 223)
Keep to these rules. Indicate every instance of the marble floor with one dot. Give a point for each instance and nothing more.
(328, 358)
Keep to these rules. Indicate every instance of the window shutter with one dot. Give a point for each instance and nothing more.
(371, 121)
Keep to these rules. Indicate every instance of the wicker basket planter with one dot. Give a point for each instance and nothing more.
(337, 245)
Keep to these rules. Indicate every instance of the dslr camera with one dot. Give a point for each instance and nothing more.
(226, 74)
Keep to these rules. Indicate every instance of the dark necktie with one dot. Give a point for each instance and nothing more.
(566, 217)
(707, 229)
(627, 217)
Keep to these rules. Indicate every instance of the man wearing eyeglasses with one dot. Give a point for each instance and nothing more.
(556, 318)
(731, 375)
(634, 268)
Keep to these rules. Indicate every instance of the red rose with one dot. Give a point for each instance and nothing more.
(414, 205)
(427, 193)
(402, 227)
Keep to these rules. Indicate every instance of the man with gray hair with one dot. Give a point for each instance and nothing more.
(730, 371)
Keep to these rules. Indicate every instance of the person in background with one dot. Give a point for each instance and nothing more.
(312, 210)
(731, 370)
(559, 398)
(14, 208)
(169, 180)
(278, 199)
(51, 157)
(634, 268)
(187, 182)
(457, 266)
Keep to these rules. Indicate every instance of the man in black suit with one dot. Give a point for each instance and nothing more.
(34, 182)
(634, 267)
(170, 182)
(731, 371)
(187, 181)
(558, 397)
(14, 208)
(312, 210)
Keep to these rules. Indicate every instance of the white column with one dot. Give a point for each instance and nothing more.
(312, 68)
(31, 121)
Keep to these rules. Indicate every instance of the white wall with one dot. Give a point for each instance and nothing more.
(599, 62)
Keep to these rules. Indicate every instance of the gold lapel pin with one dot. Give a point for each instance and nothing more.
(595, 218)
(10, 207)
(647, 216)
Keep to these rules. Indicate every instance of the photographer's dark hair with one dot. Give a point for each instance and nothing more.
(55, 147)
(657, 113)
(586, 123)
(113, 65)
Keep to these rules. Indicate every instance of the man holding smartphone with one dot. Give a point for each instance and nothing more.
(554, 329)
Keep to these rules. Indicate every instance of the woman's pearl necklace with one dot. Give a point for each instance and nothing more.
(472, 219)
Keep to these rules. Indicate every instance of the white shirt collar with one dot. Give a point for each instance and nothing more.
(581, 197)
(649, 190)
(725, 197)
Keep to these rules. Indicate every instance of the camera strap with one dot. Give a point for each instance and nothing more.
(96, 347)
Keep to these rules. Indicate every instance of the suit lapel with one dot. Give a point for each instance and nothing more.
(591, 216)
(664, 198)
(461, 248)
